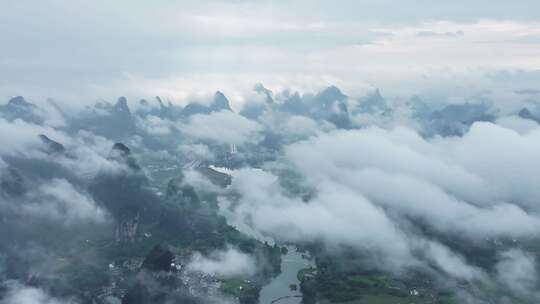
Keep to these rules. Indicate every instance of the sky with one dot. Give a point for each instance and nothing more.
(76, 51)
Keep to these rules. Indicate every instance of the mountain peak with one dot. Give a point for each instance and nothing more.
(19, 108)
(374, 102)
(121, 106)
(220, 102)
(332, 93)
(160, 102)
(526, 114)
(376, 95)
(51, 145)
(19, 101)
(123, 149)
(122, 153)
(259, 88)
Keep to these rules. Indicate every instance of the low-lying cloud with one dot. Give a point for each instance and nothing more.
(222, 127)
(57, 201)
(20, 294)
(517, 271)
(376, 190)
(226, 263)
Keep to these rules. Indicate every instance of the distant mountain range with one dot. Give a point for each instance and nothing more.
(118, 122)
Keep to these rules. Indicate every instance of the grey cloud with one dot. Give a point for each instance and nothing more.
(527, 92)
(517, 270)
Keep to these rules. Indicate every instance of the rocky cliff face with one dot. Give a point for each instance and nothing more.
(51, 146)
(125, 195)
(127, 230)
(220, 103)
(160, 258)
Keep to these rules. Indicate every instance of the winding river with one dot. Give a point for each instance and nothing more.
(278, 291)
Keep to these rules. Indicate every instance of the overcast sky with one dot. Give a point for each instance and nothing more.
(84, 50)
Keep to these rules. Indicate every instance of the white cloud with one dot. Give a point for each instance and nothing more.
(223, 127)
(154, 125)
(451, 263)
(196, 151)
(503, 158)
(227, 263)
(336, 216)
(21, 137)
(59, 201)
(87, 155)
(520, 125)
(300, 126)
(372, 185)
(200, 182)
(19, 294)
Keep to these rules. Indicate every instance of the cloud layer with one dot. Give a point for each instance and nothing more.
(389, 192)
